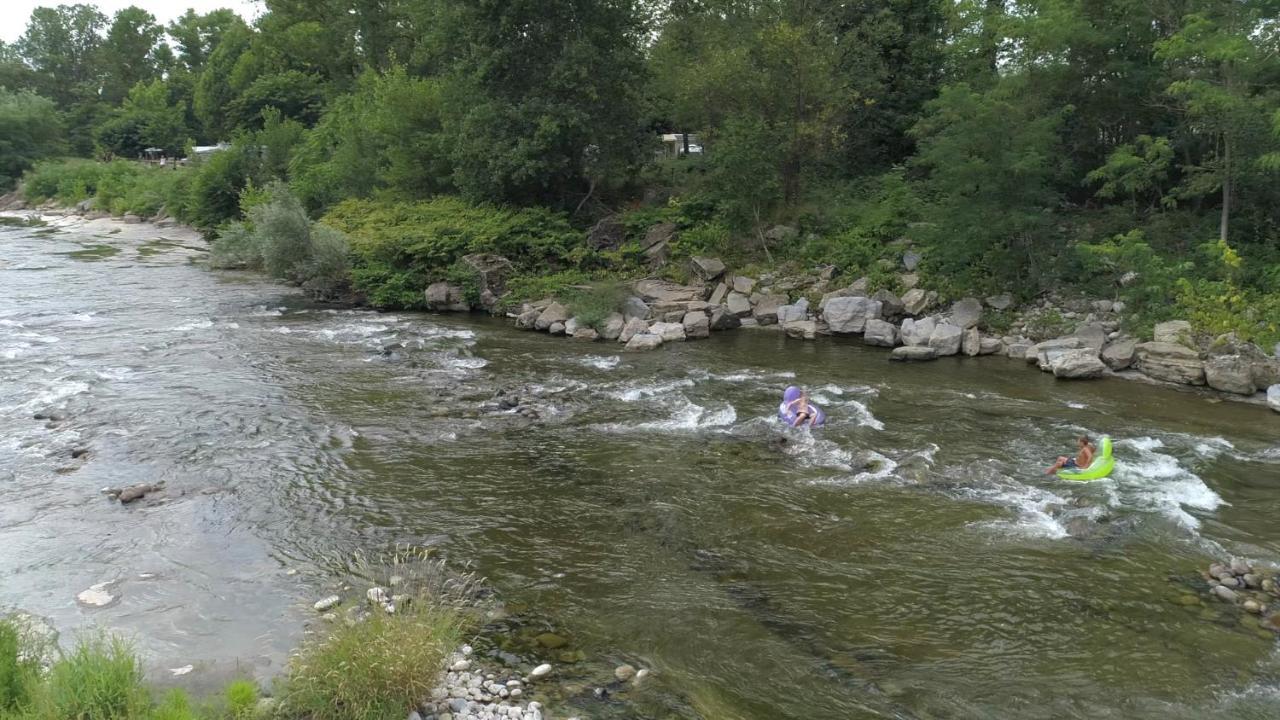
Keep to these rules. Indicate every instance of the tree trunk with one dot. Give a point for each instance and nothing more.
(1225, 221)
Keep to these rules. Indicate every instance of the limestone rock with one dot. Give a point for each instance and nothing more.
(708, 269)
(766, 310)
(554, 313)
(1000, 302)
(911, 260)
(1230, 373)
(1077, 364)
(1092, 335)
(738, 304)
(946, 339)
(891, 306)
(718, 295)
(696, 325)
(612, 327)
(633, 327)
(915, 302)
(1273, 397)
(802, 329)
(645, 341)
(743, 284)
(1118, 355)
(668, 331)
(913, 353)
(443, 296)
(1177, 332)
(846, 315)
(971, 344)
(663, 291)
(795, 312)
(634, 307)
(588, 334)
(558, 329)
(966, 313)
(990, 346)
(1170, 362)
(722, 319)
(880, 334)
(916, 333)
(1043, 353)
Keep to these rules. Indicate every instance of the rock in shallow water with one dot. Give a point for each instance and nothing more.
(541, 671)
(913, 353)
(327, 604)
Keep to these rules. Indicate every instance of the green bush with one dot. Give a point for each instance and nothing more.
(242, 699)
(101, 679)
(371, 670)
(67, 181)
(19, 671)
(593, 304)
(216, 185)
(176, 705)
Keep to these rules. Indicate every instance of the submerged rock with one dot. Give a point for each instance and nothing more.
(913, 353)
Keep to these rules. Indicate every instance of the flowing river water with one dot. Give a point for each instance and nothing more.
(909, 561)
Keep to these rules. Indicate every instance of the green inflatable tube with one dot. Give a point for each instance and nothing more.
(1100, 468)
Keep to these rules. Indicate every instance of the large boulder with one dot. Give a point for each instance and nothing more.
(743, 284)
(1119, 354)
(990, 346)
(696, 325)
(722, 319)
(738, 305)
(880, 333)
(916, 333)
(443, 296)
(706, 268)
(1077, 364)
(1230, 373)
(608, 234)
(913, 353)
(966, 313)
(795, 312)
(1043, 353)
(971, 345)
(845, 315)
(554, 313)
(588, 334)
(634, 307)
(1170, 362)
(662, 291)
(1177, 332)
(632, 328)
(915, 302)
(668, 331)
(1017, 347)
(660, 234)
(891, 306)
(645, 341)
(946, 339)
(611, 328)
(1273, 397)
(766, 310)
(527, 319)
(1092, 335)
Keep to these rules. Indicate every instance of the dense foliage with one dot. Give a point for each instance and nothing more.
(1024, 147)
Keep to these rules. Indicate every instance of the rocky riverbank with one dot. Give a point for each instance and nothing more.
(1073, 338)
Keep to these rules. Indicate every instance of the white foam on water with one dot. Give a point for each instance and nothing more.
(1075, 405)
(813, 451)
(689, 417)
(57, 392)
(460, 362)
(195, 325)
(284, 330)
(884, 469)
(12, 351)
(1157, 481)
(600, 362)
(11, 323)
(640, 392)
(750, 375)
(1032, 507)
(853, 410)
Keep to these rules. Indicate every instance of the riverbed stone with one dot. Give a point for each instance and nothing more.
(668, 331)
(847, 315)
(795, 312)
(913, 353)
(880, 333)
(738, 304)
(554, 313)
(722, 319)
(971, 344)
(916, 333)
(586, 334)
(696, 325)
(1170, 362)
(1119, 354)
(1078, 365)
(1043, 353)
(1177, 332)
(946, 339)
(1229, 373)
(766, 310)
(915, 302)
(528, 319)
(966, 313)
(1273, 397)
(1225, 593)
(1017, 348)
(802, 329)
(571, 326)
(911, 260)
(990, 346)
(558, 329)
(541, 671)
(327, 603)
(743, 284)
(644, 341)
(624, 673)
(612, 327)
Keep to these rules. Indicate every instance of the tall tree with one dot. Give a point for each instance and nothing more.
(61, 45)
(128, 56)
(197, 35)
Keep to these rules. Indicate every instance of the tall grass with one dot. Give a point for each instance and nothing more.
(19, 671)
(100, 679)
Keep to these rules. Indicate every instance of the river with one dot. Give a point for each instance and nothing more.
(911, 560)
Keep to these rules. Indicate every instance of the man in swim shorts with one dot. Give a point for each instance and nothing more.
(1082, 460)
(804, 413)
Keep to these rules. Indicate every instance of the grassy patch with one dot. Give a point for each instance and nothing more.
(94, 252)
(101, 679)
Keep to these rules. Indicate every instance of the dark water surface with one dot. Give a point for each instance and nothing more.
(909, 561)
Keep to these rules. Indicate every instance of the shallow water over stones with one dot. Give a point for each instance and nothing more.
(911, 560)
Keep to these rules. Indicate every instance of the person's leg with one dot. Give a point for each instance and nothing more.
(1057, 466)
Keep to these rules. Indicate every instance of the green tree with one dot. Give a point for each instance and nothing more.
(61, 45)
(29, 131)
(198, 35)
(146, 119)
(214, 90)
(128, 55)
